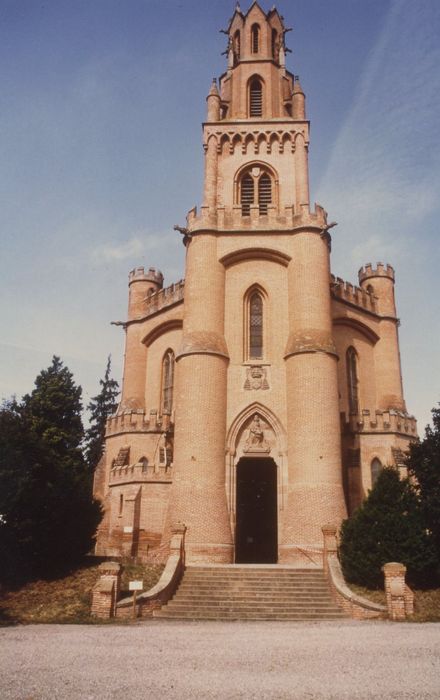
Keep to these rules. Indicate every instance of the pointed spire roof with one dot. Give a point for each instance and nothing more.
(214, 90)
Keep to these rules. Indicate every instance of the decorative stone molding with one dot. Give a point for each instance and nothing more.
(201, 342)
(313, 340)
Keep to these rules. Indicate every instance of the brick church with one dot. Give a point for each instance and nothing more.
(261, 395)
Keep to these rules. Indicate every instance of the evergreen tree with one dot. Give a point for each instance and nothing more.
(48, 515)
(424, 467)
(101, 407)
(388, 526)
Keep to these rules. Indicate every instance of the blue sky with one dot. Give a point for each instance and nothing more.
(97, 98)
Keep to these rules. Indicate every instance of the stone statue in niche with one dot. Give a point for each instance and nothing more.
(256, 441)
(256, 378)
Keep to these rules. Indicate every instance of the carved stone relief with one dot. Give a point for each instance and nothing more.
(256, 378)
(256, 440)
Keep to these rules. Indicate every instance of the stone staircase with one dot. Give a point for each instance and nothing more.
(251, 592)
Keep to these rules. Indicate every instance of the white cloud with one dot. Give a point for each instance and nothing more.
(135, 246)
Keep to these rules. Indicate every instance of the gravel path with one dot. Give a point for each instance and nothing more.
(171, 659)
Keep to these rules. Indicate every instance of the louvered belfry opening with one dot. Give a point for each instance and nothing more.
(255, 38)
(256, 326)
(264, 193)
(247, 194)
(256, 98)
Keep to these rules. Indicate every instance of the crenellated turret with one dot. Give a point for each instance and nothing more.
(141, 284)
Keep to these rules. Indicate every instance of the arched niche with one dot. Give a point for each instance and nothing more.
(266, 439)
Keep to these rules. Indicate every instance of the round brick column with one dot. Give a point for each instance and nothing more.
(198, 495)
(315, 494)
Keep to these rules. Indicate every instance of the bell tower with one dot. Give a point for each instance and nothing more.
(256, 215)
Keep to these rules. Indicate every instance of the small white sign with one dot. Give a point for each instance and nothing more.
(135, 585)
(128, 528)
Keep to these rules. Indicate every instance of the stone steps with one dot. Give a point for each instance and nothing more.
(251, 593)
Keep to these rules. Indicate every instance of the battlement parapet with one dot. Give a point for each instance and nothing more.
(138, 274)
(139, 473)
(162, 298)
(353, 294)
(383, 422)
(138, 422)
(381, 270)
(278, 219)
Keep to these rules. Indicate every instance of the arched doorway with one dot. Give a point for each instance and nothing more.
(256, 534)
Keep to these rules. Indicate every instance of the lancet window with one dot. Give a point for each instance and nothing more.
(352, 381)
(275, 46)
(376, 468)
(167, 381)
(255, 329)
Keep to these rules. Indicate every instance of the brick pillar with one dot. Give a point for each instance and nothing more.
(395, 589)
(198, 494)
(210, 194)
(106, 591)
(314, 492)
(301, 173)
(330, 543)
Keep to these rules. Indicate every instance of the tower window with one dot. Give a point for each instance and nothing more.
(167, 381)
(255, 38)
(376, 468)
(256, 98)
(256, 187)
(255, 326)
(352, 381)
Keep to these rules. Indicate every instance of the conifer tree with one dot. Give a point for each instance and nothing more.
(388, 526)
(424, 466)
(101, 407)
(48, 515)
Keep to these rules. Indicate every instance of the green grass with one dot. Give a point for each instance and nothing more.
(66, 599)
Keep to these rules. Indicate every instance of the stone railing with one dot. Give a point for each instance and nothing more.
(400, 598)
(165, 588)
(139, 473)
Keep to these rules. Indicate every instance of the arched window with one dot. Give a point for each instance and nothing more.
(167, 381)
(255, 320)
(352, 381)
(121, 503)
(255, 38)
(376, 468)
(255, 98)
(255, 187)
